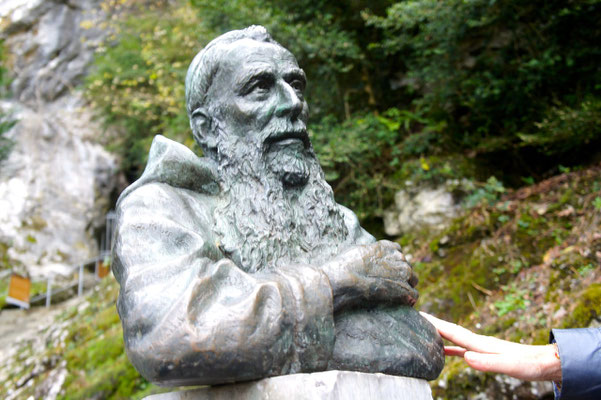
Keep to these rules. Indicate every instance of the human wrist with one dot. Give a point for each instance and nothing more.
(551, 364)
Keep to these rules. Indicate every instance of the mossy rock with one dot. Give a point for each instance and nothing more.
(587, 308)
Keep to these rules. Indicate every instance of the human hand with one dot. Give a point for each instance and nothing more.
(374, 273)
(489, 354)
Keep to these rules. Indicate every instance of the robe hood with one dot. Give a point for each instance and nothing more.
(176, 165)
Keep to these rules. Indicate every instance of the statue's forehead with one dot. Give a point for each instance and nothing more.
(249, 54)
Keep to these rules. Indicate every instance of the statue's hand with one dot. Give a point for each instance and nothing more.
(371, 274)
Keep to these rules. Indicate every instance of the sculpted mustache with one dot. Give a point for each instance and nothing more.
(288, 131)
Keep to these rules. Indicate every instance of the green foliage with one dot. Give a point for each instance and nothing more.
(514, 299)
(95, 349)
(564, 128)
(493, 68)
(488, 251)
(103, 361)
(138, 79)
(3, 292)
(362, 156)
(418, 91)
(87, 341)
(488, 193)
(6, 122)
(329, 39)
(4, 264)
(4, 78)
(513, 269)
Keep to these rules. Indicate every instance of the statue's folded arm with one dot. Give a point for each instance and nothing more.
(192, 317)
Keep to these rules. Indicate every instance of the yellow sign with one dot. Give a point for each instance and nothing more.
(103, 269)
(18, 290)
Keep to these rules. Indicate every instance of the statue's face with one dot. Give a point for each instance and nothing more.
(258, 94)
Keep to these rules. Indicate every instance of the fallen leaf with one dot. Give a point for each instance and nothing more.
(568, 211)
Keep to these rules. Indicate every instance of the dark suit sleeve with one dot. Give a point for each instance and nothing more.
(580, 355)
(191, 316)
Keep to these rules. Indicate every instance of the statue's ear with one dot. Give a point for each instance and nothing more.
(202, 128)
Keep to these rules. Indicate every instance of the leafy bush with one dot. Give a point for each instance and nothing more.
(362, 156)
(514, 299)
(487, 194)
(565, 128)
(493, 68)
(420, 91)
(329, 40)
(138, 79)
(94, 351)
(6, 122)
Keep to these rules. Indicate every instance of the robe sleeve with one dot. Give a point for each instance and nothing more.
(191, 316)
(580, 355)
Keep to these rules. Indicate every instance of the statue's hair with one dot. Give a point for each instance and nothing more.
(205, 65)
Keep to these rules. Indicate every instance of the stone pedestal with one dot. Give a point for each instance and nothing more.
(329, 385)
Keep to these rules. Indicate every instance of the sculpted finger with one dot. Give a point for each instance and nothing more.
(391, 267)
(401, 293)
(399, 258)
(389, 246)
(395, 245)
(413, 280)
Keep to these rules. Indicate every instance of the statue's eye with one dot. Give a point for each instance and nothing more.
(298, 85)
(262, 85)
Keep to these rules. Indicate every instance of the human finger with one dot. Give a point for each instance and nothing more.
(500, 363)
(469, 340)
(454, 351)
(517, 365)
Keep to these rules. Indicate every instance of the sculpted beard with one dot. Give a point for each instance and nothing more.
(278, 208)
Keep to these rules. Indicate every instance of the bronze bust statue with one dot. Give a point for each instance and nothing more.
(240, 265)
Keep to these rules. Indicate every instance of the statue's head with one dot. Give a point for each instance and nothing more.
(244, 95)
(246, 85)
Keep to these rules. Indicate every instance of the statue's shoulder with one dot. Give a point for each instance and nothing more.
(173, 168)
(357, 235)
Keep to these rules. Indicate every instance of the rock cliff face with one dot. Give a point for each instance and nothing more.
(56, 184)
(431, 208)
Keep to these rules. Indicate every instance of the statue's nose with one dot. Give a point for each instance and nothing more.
(289, 103)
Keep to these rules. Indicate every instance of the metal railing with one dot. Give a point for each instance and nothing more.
(106, 243)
